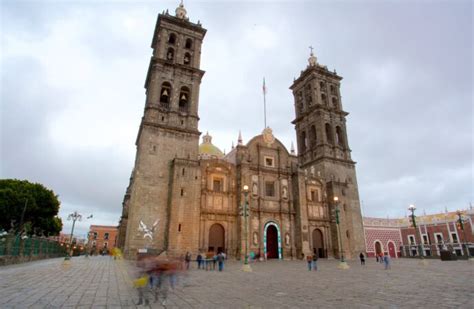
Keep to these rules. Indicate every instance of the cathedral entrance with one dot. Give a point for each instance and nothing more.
(318, 243)
(272, 241)
(216, 238)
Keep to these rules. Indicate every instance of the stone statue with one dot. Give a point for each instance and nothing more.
(287, 239)
(255, 238)
(254, 188)
(285, 192)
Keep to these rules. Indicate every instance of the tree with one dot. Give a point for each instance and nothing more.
(39, 217)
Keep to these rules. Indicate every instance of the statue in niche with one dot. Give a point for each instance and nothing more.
(255, 238)
(287, 239)
(254, 188)
(285, 192)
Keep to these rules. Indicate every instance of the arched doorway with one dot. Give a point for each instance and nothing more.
(272, 241)
(378, 248)
(216, 238)
(391, 249)
(318, 243)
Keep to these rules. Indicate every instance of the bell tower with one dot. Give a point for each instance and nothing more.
(168, 139)
(323, 148)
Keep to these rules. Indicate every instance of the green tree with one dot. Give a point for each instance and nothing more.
(40, 213)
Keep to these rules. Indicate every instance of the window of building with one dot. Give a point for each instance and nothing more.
(439, 238)
(106, 236)
(312, 136)
(303, 142)
(165, 94)
(324, 99)
(269, 188)
(348, 234)
(339, 136)
(332, 89)
(187, 59)
(170, 54)
(314, 195)
(455, 237)
(329, 138)
(184, 99)
(322, 86)
(411, 239)
(334, 102)
(189, 44)
(425, 239)
(172, 39)
(106, 244)
(217, 184)
(269, 161)
(95, 235)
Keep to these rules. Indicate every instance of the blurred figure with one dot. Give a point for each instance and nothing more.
(315, 260)
(309, 260)
(220, 259)
(187, 260)
(199, 260)
(362, 258)
(214, 261)
(386, 261)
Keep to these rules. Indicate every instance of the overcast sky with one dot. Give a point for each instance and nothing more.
(72, 96)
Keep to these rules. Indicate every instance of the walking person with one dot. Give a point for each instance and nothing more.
(220, 260)
(362, 258)
(315, 260)
(214, 261)
(309, 260)
(187, 260)
(386, 261)
(199, 260)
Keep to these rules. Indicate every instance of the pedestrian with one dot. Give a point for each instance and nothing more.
(315, 260)
(187, 260)
(362, 258)
(214, 261)
(381, 258)
(199, 260)
(220, 260)
(309, 260)
(386, 261)
(377, 257)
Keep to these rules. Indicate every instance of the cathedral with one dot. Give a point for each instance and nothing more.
(188, 197)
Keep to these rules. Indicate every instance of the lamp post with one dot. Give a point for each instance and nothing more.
(74, 217)
(412, 208)
(461, 226)
(245, 213)
(342, 264)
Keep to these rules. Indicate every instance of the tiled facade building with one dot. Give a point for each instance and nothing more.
(184, 196)
(439, 232)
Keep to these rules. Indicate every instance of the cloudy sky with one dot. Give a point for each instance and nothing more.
(72, 75)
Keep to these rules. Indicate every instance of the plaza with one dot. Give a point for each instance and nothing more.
(101, 282)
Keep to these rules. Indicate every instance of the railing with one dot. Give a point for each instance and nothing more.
(434, 250)
(14, 248)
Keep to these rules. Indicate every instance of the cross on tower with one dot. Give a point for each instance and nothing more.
(311, 48)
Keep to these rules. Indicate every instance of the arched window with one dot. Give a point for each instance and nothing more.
(322, 86)
(339, 136)
(329, 138)
(189, 44)
(303, 142)
(312, 136)
(184, 96)
(324, 99)
(170, 54)
(332, 89)
(334, 102)
(165, 94)
(187, 59)
(172, 39)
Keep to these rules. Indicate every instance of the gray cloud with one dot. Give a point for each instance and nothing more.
(72, 96)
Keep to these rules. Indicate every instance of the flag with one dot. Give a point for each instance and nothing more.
(264, 88)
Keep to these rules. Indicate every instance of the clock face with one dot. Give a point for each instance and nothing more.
(268, 136)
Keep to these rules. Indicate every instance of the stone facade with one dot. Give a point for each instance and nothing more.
(185, 197)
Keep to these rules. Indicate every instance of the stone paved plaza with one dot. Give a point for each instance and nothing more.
(100, 282)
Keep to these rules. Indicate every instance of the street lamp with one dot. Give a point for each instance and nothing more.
(342, 264)
(461, 226)
(74, 217)
(412, 208)
(245, 213)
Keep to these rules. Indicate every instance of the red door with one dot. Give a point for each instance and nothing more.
(272, 242)
(391, 250)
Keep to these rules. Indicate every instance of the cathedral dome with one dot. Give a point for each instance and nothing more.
(207, 150)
